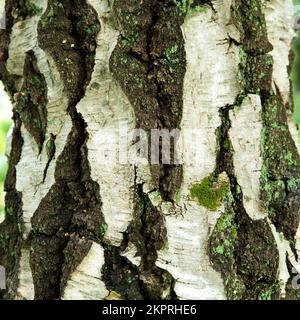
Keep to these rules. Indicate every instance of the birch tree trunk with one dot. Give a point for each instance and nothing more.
(221, 224)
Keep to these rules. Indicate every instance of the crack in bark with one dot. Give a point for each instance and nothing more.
(51, 149)
(148, 233)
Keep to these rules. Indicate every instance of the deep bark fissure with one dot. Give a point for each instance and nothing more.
(148, 233)
(168, 185)
(158, 65)
(120, 275)
(67, 31)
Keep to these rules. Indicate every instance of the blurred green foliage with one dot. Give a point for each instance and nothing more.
(296, 73)
(4, 127)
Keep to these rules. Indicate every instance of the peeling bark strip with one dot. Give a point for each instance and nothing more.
(226, 226)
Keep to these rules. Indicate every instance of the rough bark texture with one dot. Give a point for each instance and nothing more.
(225, 225)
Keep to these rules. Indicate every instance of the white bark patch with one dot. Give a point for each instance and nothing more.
(25, 289)
(283, 272)
(223, 12)
(85, 282)
(103, 107)
(210, 83)
(23, 39)
(30, 172)
(58, 123)
(131, 254)
(185, 254)
(285, 251)
(279, 19)
(245, 136)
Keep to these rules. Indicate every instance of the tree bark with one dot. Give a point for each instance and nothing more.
(221, 224)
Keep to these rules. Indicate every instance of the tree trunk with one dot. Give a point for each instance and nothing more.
(219, 220)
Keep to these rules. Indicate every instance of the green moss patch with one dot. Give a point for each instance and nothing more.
(210, 191)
